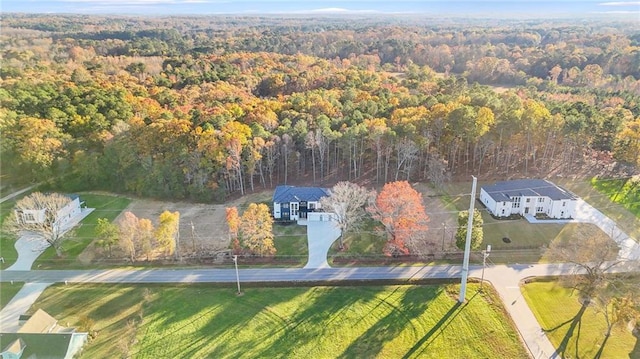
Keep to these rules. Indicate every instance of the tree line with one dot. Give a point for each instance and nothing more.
(208, 124)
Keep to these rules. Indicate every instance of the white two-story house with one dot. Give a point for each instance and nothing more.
(529, 197)
(291, 203)
(62, 217)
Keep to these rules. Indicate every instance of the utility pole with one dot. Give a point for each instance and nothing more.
(235, 261)
(444, 233)
(177, 251)
(467, 244)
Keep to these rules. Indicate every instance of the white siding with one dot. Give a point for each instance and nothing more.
(489, 202)
(276, 210)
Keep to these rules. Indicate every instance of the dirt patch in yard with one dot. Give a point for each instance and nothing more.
(203, 227)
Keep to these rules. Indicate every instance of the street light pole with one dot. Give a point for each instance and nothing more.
(235, 262)
(485, 255)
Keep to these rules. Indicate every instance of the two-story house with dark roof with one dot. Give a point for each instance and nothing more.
(291, 203)
(529, 197)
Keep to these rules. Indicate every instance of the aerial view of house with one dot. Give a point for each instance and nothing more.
(293, 203)
(62, 217)
(528, 197)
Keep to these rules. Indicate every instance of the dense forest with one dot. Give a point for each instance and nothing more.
(206, 107)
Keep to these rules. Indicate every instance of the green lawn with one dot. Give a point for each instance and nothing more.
(8, 291)
(557, 311)
(291, 243)
(7, 242)
(320, 322)
(106, 206)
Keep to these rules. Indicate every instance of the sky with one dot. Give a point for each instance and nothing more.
(462, 8)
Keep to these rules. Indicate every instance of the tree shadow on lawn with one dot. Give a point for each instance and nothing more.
(438, 328)
(176, 308)
(413, 304)
(321, 315)
(575, 323)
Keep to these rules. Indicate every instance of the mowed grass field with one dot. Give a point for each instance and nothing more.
(557, 310)
(157, 321)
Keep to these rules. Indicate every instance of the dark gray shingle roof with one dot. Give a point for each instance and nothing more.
(297, 194)
(505, 190)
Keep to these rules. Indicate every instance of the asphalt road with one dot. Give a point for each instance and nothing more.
(277, 274)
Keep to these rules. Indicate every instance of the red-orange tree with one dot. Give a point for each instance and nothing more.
(400, 210)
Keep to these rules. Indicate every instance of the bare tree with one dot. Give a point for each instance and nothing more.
(347, 201)
(594, 255)
(38, 213)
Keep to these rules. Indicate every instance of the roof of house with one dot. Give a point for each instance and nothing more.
(285, 194)
(505, 190)
(15, 347)
(42, 346)
(40, 322)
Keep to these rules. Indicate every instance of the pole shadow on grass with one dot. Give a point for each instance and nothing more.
(398, 318)
(437, 329)
(576, 323)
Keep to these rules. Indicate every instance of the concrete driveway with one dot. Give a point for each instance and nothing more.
(629, 248)
(320, 237)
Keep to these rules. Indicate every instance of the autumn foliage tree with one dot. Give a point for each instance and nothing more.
(233, 221)
(167, 231)
(256, 230)
(399, 209)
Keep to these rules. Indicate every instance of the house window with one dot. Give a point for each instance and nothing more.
(284, 205)
(516, 202)
(564, 204)
(540, 200)
(312, 205)
(28, 217)
(540, 209)
(502, 212)
(528, 200)
(294, 209)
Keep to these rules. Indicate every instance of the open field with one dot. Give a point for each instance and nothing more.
(320, 322)
(579, 334)
(8, 291)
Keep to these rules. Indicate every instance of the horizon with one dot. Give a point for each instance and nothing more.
(373, 8)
